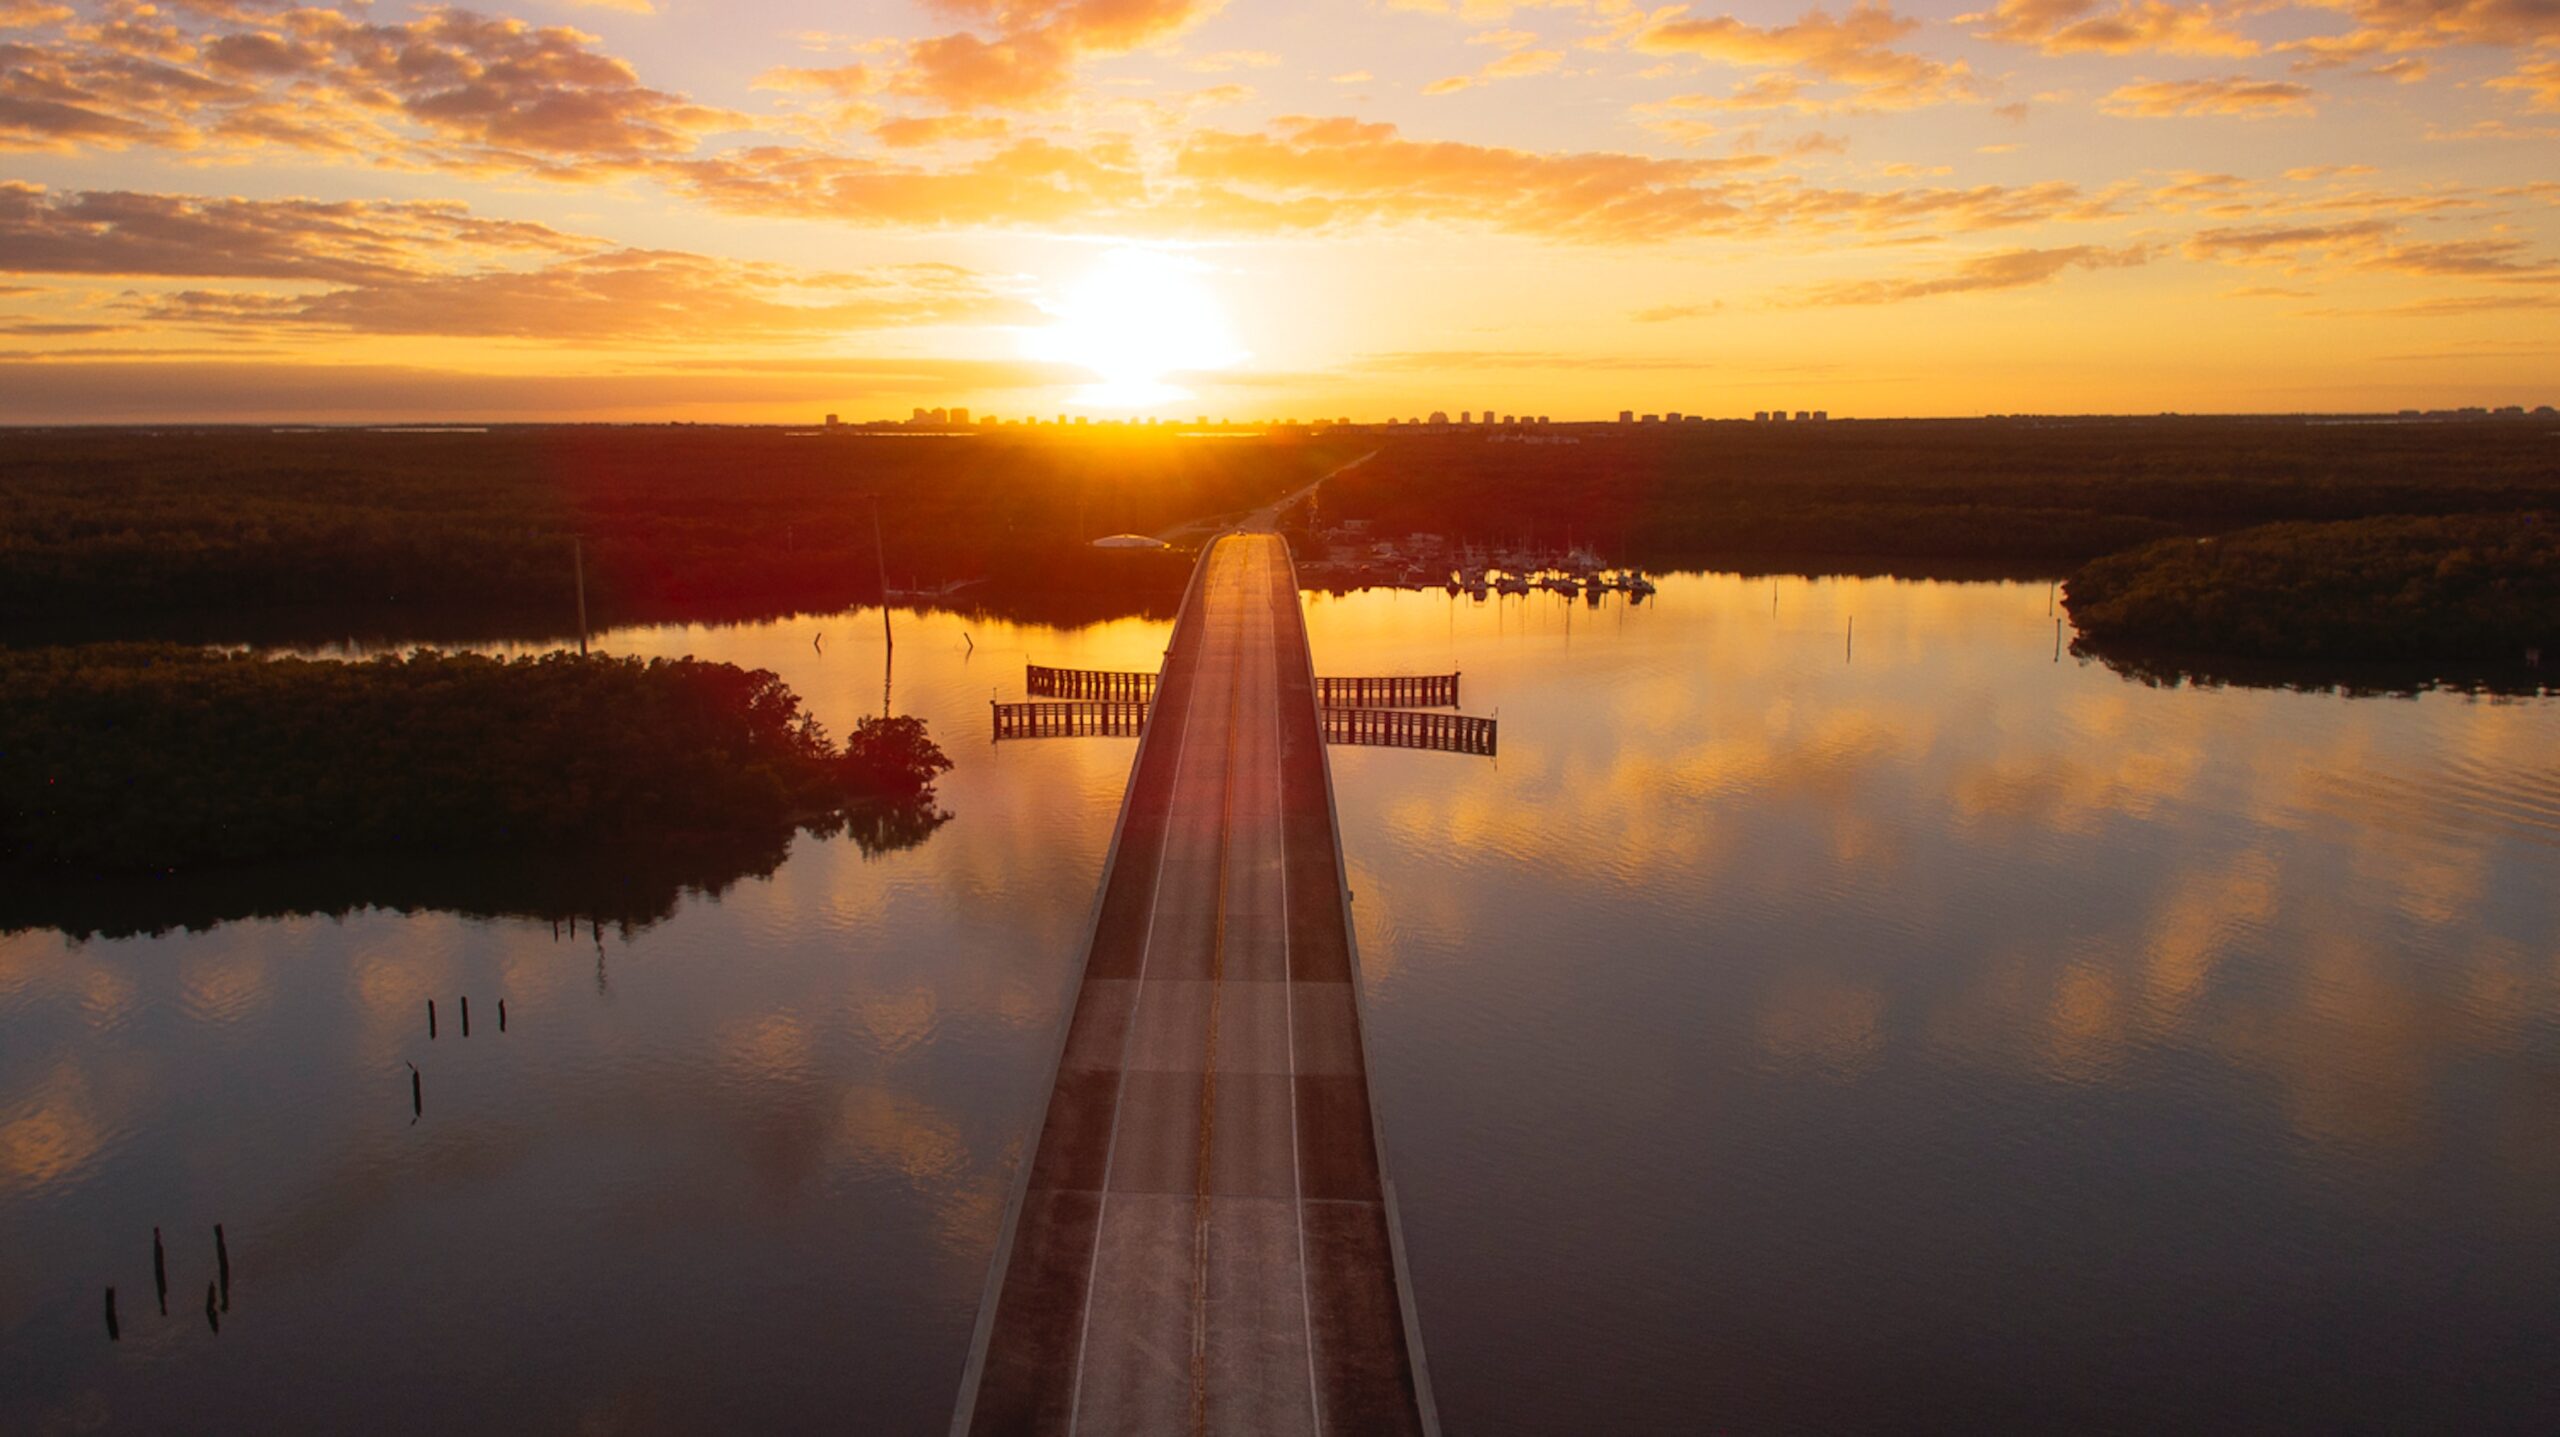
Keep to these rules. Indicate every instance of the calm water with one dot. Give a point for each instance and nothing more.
(1780, 1037)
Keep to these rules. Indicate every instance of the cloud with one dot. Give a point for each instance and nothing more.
(2538, 81)
(421, 268)
(2066, 27)
(109, 232)
(451, 89)
(2283, 242)
(650, 295)
(112, 388)
(1031, 59)
(1515, 65)
(2226, 95)
(2373, 245)
(914, 131)
(1855, 50)
(2006, 269)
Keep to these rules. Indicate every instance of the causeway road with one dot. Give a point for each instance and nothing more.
(1204, 1240)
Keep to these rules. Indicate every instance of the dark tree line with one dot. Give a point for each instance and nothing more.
(2482, 587)
(128, 533)
(2033, 497)
(152, 756)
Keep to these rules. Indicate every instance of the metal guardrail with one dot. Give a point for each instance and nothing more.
(1385, 691)
(1088, 718)
(1403, 728)
(1088, 684)
(1393, 691)
(1372, 728)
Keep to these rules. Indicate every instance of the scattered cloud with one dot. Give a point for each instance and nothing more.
(1855, 50)
(2374, 245)
(2538, 81)
(624, 295)
(2226, 95)
(108, 232)
(2066, 27)
(421, 268)
(1666, 313)
(2006, 269)
(1515, 65)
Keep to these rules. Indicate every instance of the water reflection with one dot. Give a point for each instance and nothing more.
(1772, 1038)
(1943, 1024)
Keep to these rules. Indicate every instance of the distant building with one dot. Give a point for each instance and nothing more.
(1803, 415)
(1671, 418)
(1651, 419)
(1759, 416)
(958, 417)
(1626, 416)
(1820, 415)
(834, 423)
(1439, 416)
(1466, 416)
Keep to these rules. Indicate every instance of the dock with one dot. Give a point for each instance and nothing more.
(1203, 1239)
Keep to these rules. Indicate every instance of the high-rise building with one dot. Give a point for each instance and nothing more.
(1466, 416)
(1759, 416)
(1671, 418)
(959, 416)
(834, 423)
(1626, 416)
(1802, 415)
(1439, 416)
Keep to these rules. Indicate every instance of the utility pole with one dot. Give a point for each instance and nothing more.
(578, 561)
(880, 557)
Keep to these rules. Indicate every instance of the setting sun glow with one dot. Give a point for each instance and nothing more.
(1139, 317)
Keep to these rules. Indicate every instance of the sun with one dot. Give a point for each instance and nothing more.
(1137, 318)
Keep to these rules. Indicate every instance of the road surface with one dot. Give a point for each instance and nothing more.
(1204, 1241)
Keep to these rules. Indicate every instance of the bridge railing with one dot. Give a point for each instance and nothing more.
(1403, 728)
(1389, 691)
(1088, 684)
(1085, 718)
(1384, 691)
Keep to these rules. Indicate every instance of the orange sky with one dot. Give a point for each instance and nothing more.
(670, 209)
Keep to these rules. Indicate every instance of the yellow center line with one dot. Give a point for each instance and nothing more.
(1209, 1068)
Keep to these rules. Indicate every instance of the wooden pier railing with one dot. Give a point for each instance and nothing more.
(1088, 684)
(1088, 718)
(1392, 691)
(1402, 728)
(1386, 691)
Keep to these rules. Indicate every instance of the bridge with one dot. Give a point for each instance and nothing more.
(1204, 1239)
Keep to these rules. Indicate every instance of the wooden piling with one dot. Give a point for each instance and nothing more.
(466, 1015)
(431, 1020)
(160, 1270)
(114, 1334)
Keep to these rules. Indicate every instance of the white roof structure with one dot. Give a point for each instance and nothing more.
(1130, 541)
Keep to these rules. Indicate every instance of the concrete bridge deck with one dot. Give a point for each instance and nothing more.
(1204, 1241)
